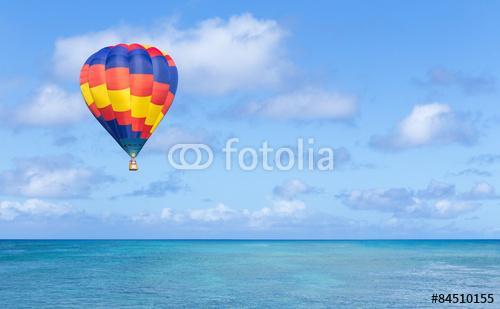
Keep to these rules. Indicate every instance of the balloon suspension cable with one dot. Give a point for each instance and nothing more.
(132, 165)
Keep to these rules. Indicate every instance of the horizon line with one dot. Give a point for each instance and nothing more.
(251, 239)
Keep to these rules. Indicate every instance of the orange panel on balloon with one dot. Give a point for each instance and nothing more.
(141, 84)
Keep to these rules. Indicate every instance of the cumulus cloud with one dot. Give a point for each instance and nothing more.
(304, 105)
(71, 52)
(280, 210)
(212, 215)
(294, 187)
(166, 213)
(54, 176)
(439, 200)
(284, 206)
(218, 213)
(288, 207)
(51, 105)
(11, 210)
(481, 191)
(440, 209)
(216, 56)
(318, 225)
(467, 83)
(428, 124)
(283, 218)
(403, 203)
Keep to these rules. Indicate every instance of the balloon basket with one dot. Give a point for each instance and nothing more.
(132, 165)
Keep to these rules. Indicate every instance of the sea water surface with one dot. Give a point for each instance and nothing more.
(244, 274)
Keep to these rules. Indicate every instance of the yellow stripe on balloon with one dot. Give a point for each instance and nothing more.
(157, 122)
(120, 99)
(100, 94)
(87, 96)
(153, 112)
(139, 106)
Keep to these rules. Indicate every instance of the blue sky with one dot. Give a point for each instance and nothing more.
(405, 93)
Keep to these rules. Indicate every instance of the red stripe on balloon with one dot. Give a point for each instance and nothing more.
(117, 78)
(170, 61)
(141, 84)
(84, 74)
(137, 124)
(123, 118)
(154, 52)
(108, 113)
(159, 94)
(97, 75)
(146, 131)
(94, 110)
(135, 46)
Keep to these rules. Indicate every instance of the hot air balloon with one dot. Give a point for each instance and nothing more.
(129, 88)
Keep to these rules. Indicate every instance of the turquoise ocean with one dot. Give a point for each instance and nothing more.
(244, 274)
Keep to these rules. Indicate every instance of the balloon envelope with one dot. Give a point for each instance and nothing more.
(129, 88)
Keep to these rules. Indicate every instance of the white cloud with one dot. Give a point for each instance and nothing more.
(219, 213)
(55, 177)
(291, 188)
(428, 124)
(285, 205)
(288, 208)
(437, 201)
(10, 210)
(280, 210)
(216, 56)
(71, 52)
(53, 183)
(303, 105)
(480, 191)
(450, 209)
(166, 213)
(61, 224)
(169, 215)
(483, 189)
(51, 105)
(423, 124)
